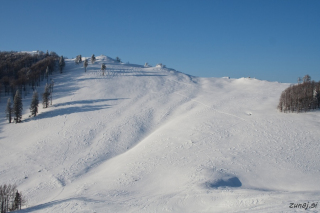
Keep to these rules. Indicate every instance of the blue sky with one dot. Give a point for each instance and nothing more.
(275, 40)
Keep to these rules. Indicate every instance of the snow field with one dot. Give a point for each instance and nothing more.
(156, 140)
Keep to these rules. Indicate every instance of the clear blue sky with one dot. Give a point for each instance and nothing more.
(275, 40)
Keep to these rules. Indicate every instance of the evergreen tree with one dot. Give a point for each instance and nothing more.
(61, 63)
(45, 97)
(118, 59)
(17, 107)
(17, 202)
(34, 104)
(9, 110)
(85, 64)
(93, 59)
(103, 68)
(51, 90)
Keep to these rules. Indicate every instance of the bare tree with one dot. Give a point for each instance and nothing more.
(306, 78)
(300, 97)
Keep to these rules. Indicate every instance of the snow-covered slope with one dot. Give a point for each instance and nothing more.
(156, 140)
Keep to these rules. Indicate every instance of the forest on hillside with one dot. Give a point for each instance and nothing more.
(19, 70)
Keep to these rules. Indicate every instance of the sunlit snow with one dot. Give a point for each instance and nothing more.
(152, 139)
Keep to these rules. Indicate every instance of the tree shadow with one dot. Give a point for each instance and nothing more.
(143, 75)
(86, 102)
(57, 202)
(67, 111)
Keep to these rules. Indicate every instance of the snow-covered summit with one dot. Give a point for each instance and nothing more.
(151, 139)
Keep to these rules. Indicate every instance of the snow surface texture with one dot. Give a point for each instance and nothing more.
(156, 140)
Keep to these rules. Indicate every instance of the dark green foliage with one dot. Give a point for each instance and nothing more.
(301, 97)
(45, 97)
(118, 59)
(9, 110)
(17, 107)
(34, 104)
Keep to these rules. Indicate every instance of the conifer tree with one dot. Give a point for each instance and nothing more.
(85, 64)
(45, 97)
(103, 68)
(61, 63)
(34, 104)
(9, 110)
(51, 90)
(118, 59)
(93, 59)
(17, 202)
(17, 107)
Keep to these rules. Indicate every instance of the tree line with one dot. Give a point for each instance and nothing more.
(16, 109)
(302, 97)
(10, 198)
(22, 71)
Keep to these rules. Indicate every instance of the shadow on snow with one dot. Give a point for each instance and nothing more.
(225, 182)
(66, 111)
(86, 102)
(57, 202)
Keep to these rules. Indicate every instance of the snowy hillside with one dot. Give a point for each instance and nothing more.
(156, 140)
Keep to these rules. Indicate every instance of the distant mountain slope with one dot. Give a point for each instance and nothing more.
(156, 140)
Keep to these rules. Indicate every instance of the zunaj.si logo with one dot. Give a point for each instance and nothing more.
(303, 205)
